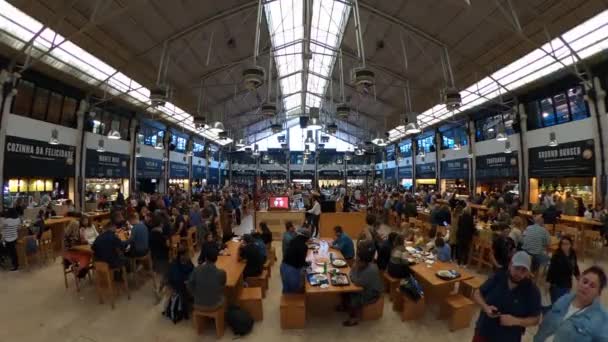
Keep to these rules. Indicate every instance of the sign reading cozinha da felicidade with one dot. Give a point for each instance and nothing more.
(32, 158)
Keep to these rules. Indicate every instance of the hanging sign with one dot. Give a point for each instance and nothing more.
(32, 158)
(574, 159)
(425, 171)
(149, 168)
(106, 165)
(405, 172)
(499, 165)
(455, 169)
(198, 172)
(178, 170)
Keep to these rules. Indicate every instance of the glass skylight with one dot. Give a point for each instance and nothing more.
(18, 28)
(285, 23)
(586, 39)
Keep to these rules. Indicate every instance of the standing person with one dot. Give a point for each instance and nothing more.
(207, 284)
(384, 252)
(509, 302)
(466, 231)
(579, 316)
(366, 275)
(159, 251)
(10, 228)
(294, 262)
(580, 207)
(517, 225)
(196, 218)
(288, 235)
(562, 268)
(502, 248)
(453, 238)
(236, 205)
(536, 239)
(315, 213)
(343, 243)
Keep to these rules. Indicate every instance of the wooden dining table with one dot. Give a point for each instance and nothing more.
(435, 288)
(573, 221)
(230, 263)
(322, 300)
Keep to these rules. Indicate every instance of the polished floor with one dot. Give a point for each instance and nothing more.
(35, 306)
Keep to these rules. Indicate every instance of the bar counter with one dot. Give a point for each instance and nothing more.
(276, 220)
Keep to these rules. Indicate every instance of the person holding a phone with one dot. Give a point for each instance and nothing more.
(509, 302)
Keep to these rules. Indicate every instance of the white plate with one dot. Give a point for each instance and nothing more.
(339, 263)
(411, 250)
(320, 277)
(430, 262)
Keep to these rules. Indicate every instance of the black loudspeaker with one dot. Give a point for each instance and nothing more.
(171, 147)
(303, 122)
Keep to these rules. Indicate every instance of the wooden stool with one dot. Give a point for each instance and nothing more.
(146, 262)
(268, 268)
(250, 300)
(45, 245)
(293, 311)
(198, 319)
(459, 311)
(391, 285)
(259, 281)
(468, 287)
(412, 310)
(104, 281)
(373, 311)
(68, 268)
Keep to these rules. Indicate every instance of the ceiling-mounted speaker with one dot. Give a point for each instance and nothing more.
(332, 128)
(171, 147)
(159, 95)
(303, 122)
(253, 77)
(453, 100)
(276, 128)
(342, 111)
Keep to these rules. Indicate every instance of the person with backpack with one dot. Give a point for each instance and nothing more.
(180, 304)
(207, 283)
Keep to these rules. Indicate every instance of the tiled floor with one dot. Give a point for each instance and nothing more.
(35, 306)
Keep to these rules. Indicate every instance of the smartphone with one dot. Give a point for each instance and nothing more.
(445, 224)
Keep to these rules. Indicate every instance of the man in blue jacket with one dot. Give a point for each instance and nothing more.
(343, 243)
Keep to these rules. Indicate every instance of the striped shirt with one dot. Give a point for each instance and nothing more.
(535, 240)
(9, 229)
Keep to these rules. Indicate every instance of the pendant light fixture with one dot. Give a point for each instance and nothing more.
(54, 137)
(501, 135)
(100, 146)
(114, 134)
(553, 139)
(217, 127)
(309, 138)
(508, 149)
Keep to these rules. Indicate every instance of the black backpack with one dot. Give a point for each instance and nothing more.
(176, 308)
(239, 320)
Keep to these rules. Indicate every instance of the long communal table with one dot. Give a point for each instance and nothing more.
(234, 268)
(435, 288)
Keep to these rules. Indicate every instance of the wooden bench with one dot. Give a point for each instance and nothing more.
(411, 310)
(391, 285)
(250, 300)
(458, 310)
(293, 311)
(373, 311)
(259, 281)
(468, 287)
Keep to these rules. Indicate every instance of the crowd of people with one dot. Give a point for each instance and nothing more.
(510, 300)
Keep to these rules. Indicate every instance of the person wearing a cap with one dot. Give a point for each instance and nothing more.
(365, 274)
(294, 262)
(509, 302)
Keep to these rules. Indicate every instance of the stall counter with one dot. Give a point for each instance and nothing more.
(276, 220)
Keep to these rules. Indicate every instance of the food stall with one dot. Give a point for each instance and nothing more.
(106, 173)
(390, 176)
(278, 211)
(199, 175)
(497, 172)
(404, 176)
(454, 175)
(304, 177)
(356, 177)
(149, 172)
(36, 169)
(330, 178)
(274, 177)
(568, 167)
(425, 176)
(179, 176)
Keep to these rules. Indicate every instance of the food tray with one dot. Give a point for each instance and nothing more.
(313, 279)
(447, 274)
(339, 279)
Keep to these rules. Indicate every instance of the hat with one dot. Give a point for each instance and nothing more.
(303, 232)
(522, 259)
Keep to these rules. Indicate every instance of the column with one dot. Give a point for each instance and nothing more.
(219, 168)
(5, 109)
(597, 107)
(523, 157)
(438, 157)
(80, 160)
(133, 131)
(472, 158)
(414, 161)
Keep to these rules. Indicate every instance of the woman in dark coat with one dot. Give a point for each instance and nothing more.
(562, 268)
(466, 232)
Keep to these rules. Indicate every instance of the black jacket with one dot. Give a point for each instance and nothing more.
(384, 254)
(466, 228)
(561, 270)
(296, 252)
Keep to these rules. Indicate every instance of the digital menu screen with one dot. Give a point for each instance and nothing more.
(278, 202)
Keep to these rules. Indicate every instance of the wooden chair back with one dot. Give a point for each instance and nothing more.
(46, 245)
